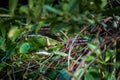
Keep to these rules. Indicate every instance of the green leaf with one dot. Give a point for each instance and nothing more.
(37, 43)
(91, 21)
(52, 41)
(56, 47)
(24, 48)
(12, 6)
(30, 3)
(78, 72)
(9, 52)
(94, 71)
(43, 53)
(88, 76)
(2, 43)
(72, 4)
(94, 48)
(65, 7)
(4, 10)
(37, 8)
(64, 75)
(51, 74)
(103, 24)
(49, 8)
(42, 41)
(109, 54)
(104, 2)
(24, 10)
(3, 30)
(40, 24)
(2, 65)
(58, 27)
(90, 58)
(60, 53)
(116, 65)
(14, 32)
(111, 77)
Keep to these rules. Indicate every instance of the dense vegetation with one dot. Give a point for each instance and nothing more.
(59, 40)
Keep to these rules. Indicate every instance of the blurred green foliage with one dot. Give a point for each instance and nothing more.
(18, 22)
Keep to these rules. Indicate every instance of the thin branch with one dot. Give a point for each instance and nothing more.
(69, 53)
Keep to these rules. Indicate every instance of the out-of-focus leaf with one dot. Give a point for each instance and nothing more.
(43, 53)
(24, 48)
(111, 77)
(2, 65)
(14, 32)
(116, 65)
(3, 10)
(88, 76)
(74, 29)
(56, 58)
(9, 52)
(103, 24)
(90, 58)
(94, 48)
(104, 3)
(42, 41)
(3, 31)
(24, 10)
(38, 8)
(93, 69)
(51, 74)
(78, 72)
(40, 24)
(72, 4)
(43, 70)
(12, 6)
(95, 73)
(49, 8)
(60, 53)
(97, 4)
(109, 54)
(37, 43)
(58, 27)
(31, 3)
(91, 21)
(64, 75)
(52, 41)
(62, 66)
(2, 43)
(65, 7)
(54, 48)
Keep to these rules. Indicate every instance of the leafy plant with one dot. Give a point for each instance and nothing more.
(60, 39)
